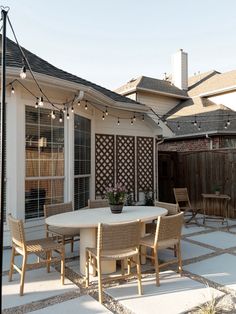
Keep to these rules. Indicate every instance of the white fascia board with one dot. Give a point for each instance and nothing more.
(97, 96)
(162, 93)
(218, 91)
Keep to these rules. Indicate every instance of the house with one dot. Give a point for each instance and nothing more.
(67, 139)
(195, 113)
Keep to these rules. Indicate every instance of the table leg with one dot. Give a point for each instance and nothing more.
(88, 239)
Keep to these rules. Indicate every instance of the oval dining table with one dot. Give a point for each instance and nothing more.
(87, 221)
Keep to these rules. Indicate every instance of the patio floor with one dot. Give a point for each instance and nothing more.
(209, 259)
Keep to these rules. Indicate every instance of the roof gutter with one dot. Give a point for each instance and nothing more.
(195, 135)
(162, 93)
(219, 91)
(96, 96)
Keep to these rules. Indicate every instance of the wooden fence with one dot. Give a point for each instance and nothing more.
(200, 172)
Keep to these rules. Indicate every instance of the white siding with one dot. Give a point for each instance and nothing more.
(228, 100)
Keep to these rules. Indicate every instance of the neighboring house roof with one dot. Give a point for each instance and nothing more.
(152, 84)
(14, 59)
(198, 79)
(210, 122)
(214, 84)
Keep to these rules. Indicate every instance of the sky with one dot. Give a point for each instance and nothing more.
(110, 42)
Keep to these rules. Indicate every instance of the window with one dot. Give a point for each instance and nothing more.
(44, 161)
(82, 160)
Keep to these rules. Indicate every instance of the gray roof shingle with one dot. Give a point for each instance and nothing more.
(152, 84)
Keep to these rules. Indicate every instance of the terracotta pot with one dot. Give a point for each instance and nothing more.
(116, 209)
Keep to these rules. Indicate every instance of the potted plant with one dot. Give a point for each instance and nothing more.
(216, 189)
(116, 198)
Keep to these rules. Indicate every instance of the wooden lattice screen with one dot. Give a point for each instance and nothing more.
(125, 162)
(145, 163)
(104, 154)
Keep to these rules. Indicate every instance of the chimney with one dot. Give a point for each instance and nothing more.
(179, 62)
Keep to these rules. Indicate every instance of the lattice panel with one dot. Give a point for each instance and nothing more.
(125, 162)
(145, 163)
(104, 154)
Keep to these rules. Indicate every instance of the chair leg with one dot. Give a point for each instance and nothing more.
(156, 267)
(22, 278)
(63, 265)
(87, 269)
(179, 259)
(72, 245)
(48, 256)
(138, 265)
(128, 266)
(100, 281)
(13, 251)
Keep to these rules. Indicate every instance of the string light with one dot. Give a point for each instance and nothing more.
(86, 106)
(106, 112)
(131, 121)
(36, 103)
(12, 89)
(199, 126)
(60, 117)
(78, 103)
(103, 116)
(134, 118)
(53, 115)
(165, 122)
(67, 116)
(158, 122)
(226, 125)
(41, 101)
(64, 109)
(118, 122)
(195, 122)
(143, 117)
(72, 109)
(178, 126)
(228, 122)
(23, 72)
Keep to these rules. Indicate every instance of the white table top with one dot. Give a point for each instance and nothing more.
(89, 218)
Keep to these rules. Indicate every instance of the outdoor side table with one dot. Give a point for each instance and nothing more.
(211, 202)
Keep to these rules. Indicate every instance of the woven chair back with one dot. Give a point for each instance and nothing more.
(169, 227)
(97, 203)
(173, 209)
(17, 231)
(54, 209)
(181, 197)
(118, 236)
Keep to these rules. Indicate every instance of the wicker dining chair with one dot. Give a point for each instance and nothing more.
(115, 242)
(64, 234)
(98, 203)
(182, 199)
(173, 209)
(22, 247)
(168, 234)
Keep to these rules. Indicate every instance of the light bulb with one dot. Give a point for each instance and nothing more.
(131, 121)
(53, 114)
(64, 109)
(118, 122)
(86, 107)
(134, 118)
(12, 90)
(23, 72)
(60, 117)
(103, 117)
(79, 103)
(72, 109)
(67, 116)
(41, 101)
(106, 112)
(36, 103)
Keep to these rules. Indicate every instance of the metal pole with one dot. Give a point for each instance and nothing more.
(2, 142)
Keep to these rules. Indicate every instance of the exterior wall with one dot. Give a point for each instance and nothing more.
(161, 104)
(228, 100)
(191, 144)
